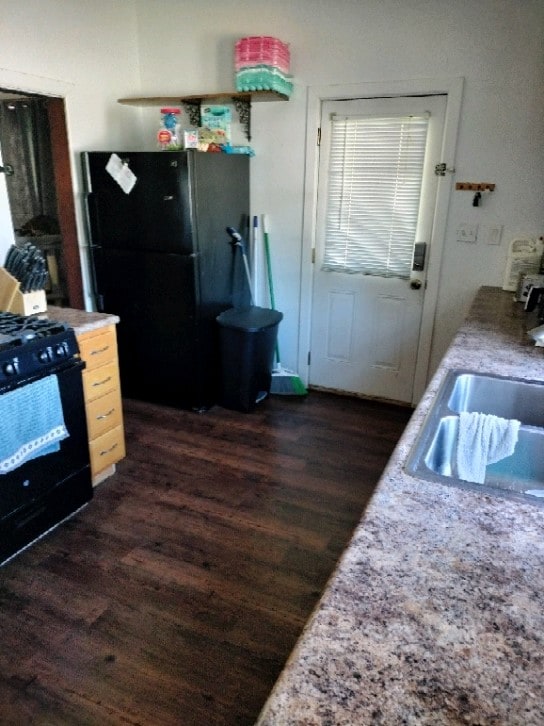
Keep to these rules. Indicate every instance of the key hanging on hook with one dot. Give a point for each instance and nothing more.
(477, 199)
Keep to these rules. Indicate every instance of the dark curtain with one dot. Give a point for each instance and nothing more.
(25, 142)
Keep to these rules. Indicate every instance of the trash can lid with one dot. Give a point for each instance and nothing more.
(251, 319)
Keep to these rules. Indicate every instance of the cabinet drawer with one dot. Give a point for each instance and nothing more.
(107, 449)
(99, 381)
(104, 413)
(98, 348)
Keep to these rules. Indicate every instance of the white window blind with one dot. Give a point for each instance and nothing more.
(374, 186)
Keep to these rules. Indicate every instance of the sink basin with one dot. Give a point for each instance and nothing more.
(520, 475)
(505, 397)
(521, 470)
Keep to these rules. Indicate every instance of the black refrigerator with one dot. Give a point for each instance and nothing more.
(162, 261)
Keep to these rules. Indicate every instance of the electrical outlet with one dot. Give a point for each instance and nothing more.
(467, 232)
(494, 235)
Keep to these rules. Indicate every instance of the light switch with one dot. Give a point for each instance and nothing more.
(467, 232)
(494, 235)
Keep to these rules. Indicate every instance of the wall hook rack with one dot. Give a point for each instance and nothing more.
(474, 187)
(477, 187)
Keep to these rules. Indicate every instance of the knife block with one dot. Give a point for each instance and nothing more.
(22, 303)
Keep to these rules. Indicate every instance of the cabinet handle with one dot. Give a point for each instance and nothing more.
(105, 415)
(101, 383)
(99, 350)
(108, 451)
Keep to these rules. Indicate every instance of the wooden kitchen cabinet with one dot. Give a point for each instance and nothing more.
(102, 391)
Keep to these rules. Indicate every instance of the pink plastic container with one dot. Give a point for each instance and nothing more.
(262, 50)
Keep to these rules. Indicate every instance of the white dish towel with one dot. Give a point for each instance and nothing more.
(483, 439)
(31, 423)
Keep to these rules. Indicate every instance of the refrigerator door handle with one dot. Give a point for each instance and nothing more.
(93, 219)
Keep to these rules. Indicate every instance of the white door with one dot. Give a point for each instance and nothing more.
(7, 237)
(367, 296)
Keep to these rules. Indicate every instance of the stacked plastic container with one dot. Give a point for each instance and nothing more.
(262, 64)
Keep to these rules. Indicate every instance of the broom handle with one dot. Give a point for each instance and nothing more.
(269, 272)
(268, 261)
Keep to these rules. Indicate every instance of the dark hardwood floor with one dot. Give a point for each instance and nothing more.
(177, 594)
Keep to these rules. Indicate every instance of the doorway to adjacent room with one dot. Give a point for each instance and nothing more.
(36, 194)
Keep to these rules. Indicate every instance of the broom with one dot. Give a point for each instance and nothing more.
(284, 382)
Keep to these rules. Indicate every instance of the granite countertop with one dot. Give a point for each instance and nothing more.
(81, 320)
(435, 613)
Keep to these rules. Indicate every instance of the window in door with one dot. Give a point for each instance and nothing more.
(374, 186)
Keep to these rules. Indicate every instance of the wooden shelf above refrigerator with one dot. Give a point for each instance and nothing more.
(191, 104)
(204, 97)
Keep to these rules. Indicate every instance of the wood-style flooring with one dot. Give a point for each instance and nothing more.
(177, 594)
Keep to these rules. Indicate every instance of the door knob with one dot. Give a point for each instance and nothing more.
(415, 284)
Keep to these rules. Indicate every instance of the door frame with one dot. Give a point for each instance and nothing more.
(55, 92)
(453, 89)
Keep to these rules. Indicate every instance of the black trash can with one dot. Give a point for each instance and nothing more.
(247, 341)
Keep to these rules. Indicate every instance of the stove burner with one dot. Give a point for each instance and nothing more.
(17, 330)
(31, 346)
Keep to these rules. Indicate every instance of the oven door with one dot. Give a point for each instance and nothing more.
(42, 492)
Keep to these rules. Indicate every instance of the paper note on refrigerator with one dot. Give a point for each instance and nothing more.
(121, 172)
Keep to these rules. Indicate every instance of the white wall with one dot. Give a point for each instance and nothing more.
(496, 45)
(85, 51)
(93, 53)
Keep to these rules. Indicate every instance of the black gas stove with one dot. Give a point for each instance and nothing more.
(45, 488)
(31, 346)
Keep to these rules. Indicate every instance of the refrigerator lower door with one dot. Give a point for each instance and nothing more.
(167, 352)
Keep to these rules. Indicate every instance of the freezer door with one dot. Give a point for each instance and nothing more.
(155, 215)
(220, 196)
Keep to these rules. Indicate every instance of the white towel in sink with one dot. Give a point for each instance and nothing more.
(483, 439)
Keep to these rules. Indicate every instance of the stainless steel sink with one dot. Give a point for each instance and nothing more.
(506, 397)
(521, 475)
